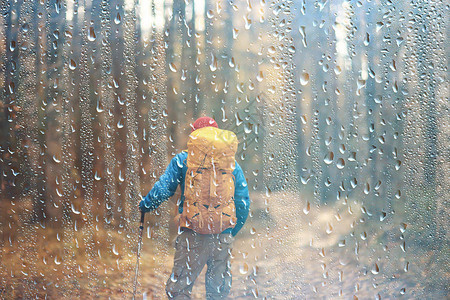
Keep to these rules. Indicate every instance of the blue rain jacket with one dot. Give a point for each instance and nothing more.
(175, 174)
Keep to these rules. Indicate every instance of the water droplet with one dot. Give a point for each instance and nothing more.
(352, 156)
(243, 269)
(304, 78)
(302, 30)
(322, 4)
(375, 269)
(308, 151)
(403, 227)
(360, 83)
(12, 88)
(72, 64)
(115, 250)
(367, 188)
(12, 46)
(235, 33)
(340, 163)
(395, 86)
(260, 76)
(406, 268)
(213, 65)
(172, 67)
(363, 235)
(393, 65)
(77, 212)
(121, 102)
(118, 19)
(99, 107)
(173, 278)
(248, 22)
(26, 27)
(322, 252)
(271, 50)
(307, 208)
(247, 128)
(305, 178)
(366, 40)
(91, 34)
(379, 25)
(377, 185)
(328, 159)
(303, 119)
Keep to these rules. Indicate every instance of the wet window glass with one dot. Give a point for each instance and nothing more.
(340, 110)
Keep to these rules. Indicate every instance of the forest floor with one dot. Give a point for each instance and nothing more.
(311, 252)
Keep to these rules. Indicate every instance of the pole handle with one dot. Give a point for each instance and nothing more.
(142, 217)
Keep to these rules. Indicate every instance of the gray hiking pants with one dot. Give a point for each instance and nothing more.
(193, 251)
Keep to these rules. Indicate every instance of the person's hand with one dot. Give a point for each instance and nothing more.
(143, 207)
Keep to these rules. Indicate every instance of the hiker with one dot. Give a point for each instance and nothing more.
(213, 207)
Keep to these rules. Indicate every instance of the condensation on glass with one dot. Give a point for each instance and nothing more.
(340, 108)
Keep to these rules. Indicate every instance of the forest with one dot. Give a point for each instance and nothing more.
(340, 108)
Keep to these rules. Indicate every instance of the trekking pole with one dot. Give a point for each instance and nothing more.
(141, 229)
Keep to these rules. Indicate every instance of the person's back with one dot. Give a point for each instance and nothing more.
(213, 208)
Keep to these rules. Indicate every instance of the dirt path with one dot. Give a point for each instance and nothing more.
(307, 253)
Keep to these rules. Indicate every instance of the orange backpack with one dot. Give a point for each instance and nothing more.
(208, 206)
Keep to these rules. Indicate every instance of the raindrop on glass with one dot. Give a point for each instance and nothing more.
(304, 78)
(340, 164)
(91, 34)
(72, 64)
(118, 19)
(328, 159)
